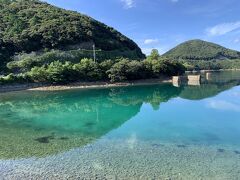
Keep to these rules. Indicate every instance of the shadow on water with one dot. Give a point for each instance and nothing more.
(45, 123)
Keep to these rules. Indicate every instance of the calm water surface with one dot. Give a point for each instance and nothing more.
(143, 132)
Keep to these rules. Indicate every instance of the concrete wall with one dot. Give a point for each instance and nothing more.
(194, 80)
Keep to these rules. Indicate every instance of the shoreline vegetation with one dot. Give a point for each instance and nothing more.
(34, 54)
(87, 73)
(94, 85)
(80, 85)
(88, 70)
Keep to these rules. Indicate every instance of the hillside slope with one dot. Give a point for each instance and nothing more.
(32, 25)
(201, 50)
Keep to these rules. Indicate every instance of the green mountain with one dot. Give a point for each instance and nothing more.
(32, 25)
(201, 50)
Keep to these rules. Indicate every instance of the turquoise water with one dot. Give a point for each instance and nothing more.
(139, 132)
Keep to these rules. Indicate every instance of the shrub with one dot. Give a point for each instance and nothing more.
(104, 67)
(135, 70)
(118, 71)
(127, 70)
(56, 72)
(12, 78)
(166, 67)
(88, 70)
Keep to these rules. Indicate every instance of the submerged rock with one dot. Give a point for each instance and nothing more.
(221, 150)
(64, 138)
(44, 139)
(181, 146)
(237, 152)
(157, 145)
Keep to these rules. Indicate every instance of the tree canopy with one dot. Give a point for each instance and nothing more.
(32, 25)
(154, 55)
(201, 50)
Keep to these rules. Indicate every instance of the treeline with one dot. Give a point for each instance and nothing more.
(88, 70)
(201, 50)
(33, 25)
(210, 65)
(24, 61)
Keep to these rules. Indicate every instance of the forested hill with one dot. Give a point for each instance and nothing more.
(32, 25)
(201, 50)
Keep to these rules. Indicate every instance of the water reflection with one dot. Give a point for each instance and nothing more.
(210, 84)
(44, 123)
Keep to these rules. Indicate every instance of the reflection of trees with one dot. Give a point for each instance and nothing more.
(223, 77)
(68, 111)
(215, 84)
(74, 109)
(38, 104)
(204, 91)
(81, 115)
(154, 95)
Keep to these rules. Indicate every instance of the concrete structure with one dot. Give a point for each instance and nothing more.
(208, 75)
(193, 80)
(178, 80)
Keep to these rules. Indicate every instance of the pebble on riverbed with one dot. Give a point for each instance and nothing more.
(108, 158)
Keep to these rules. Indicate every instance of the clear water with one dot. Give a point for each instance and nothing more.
(141, 132)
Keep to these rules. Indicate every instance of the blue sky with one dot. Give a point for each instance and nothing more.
(162, 24)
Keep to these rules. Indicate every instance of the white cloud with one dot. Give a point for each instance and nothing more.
(237, 40)
(224, 105)
(223, 28)
(151, 41)
(128, 3)
(161, 50)
(237, 94)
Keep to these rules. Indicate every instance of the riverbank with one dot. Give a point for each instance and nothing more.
(205, 70)
(90, 85)
(79, 85)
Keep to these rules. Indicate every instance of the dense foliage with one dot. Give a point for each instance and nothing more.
(211, 65)
(42, 43)
(88, 70)
(24, 62)
(201, 50)
(32, 25)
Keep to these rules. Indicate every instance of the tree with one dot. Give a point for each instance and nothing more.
(117, 73)
(33, 25)
(88, 70)
(135, 70)
(154, 55)
(104, 67)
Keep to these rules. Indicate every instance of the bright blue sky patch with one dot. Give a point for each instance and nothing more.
(162, 24)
